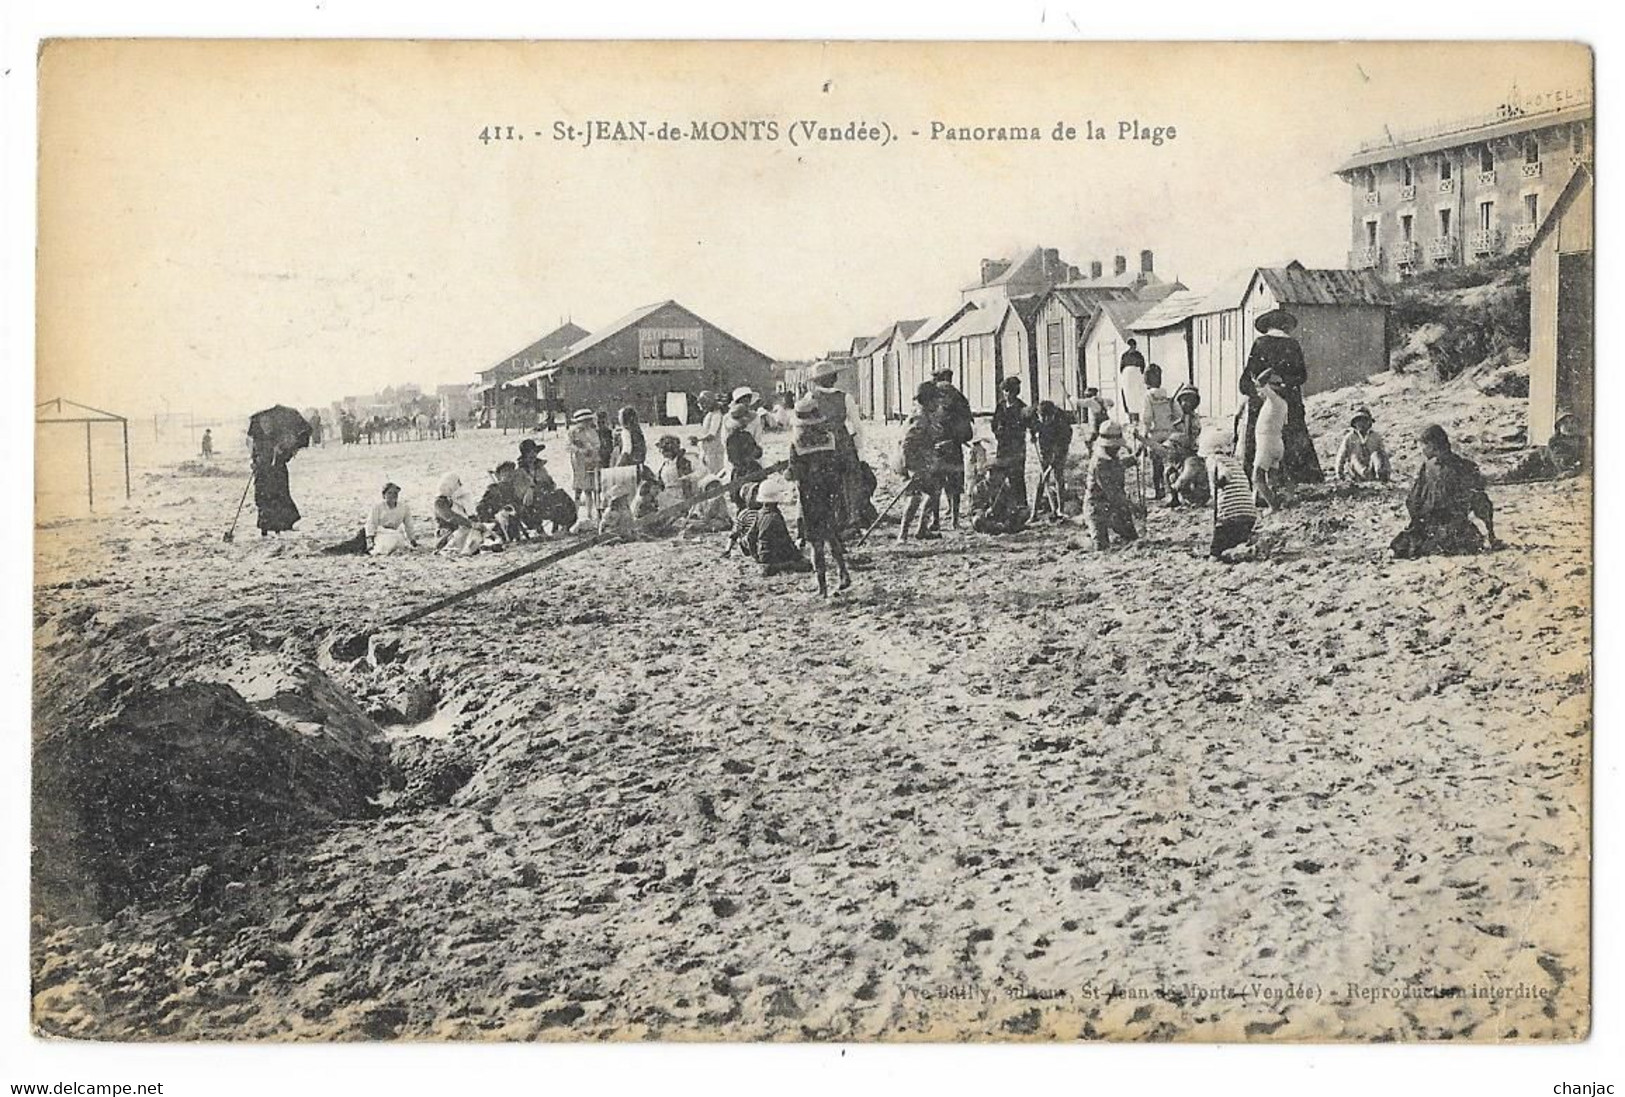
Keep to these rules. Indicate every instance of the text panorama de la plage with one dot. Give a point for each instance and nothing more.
(806, 132)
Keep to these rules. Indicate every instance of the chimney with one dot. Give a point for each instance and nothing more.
(990, 270)
(1145, 262)
(1073, 274)
(1095, 268)
(1052, 261)
(1119, 264)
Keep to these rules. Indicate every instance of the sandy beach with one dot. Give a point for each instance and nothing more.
(1003, 788)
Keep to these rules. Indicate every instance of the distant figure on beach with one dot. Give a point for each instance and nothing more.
(389, 524)
(1362, 458)
(206, 447)
(1131, 380)
(1276, 351)
(713, 409)
(1447, 495)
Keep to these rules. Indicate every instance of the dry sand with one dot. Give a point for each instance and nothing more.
(1003, 788)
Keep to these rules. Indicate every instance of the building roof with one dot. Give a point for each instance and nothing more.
(1156, 291)
(632, 319)
(1122, 313)
(1454, 135)
(931, 328)
(1565, 198)
(548, 348)
(1171, 311)
(1084, 298)
(1296, 284)
(980, 321)
(901, 328)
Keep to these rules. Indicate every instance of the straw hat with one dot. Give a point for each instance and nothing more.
(808, 413)
(1111, 431)
(743, 392)
(584, 415)
(822, 370)
(772, 491)
(1276, 318)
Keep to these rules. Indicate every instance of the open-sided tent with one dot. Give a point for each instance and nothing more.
(60, 411)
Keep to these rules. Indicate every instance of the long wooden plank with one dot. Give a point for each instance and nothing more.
(663, 514)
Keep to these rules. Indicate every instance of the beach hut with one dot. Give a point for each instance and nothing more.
(1342, 326)
(1561, 363)
(917, 363)
(986, 345)
(1104, 341)
(1063, 315)
(884, 355)
(1164, 332)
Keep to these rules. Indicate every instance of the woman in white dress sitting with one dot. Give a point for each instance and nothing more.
(389, 525)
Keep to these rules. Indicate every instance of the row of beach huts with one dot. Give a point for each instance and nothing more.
(1063, 330)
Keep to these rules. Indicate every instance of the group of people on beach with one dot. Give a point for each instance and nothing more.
(717, 481)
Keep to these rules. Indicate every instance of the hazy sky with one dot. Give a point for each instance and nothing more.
(225, 225)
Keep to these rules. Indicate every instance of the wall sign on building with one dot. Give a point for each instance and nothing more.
(661, 349)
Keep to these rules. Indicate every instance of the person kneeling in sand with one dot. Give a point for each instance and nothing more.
(761, 532)
(1235, 511)
(389, 525)
(1447, 495)
(1562, 457)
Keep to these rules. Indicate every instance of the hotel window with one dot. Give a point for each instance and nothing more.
(1531, 208)
(1445, 168)
(1407, 174)
(1444, 223)
(1405, 227)
(1486, 159)
(1531, 151)
(1486, 216)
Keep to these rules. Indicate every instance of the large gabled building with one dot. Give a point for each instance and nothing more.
(1464, 191)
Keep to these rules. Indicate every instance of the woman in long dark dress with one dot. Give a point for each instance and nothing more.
(1275, 351)
(272, 498)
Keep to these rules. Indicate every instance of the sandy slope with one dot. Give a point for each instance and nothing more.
(1003, 788)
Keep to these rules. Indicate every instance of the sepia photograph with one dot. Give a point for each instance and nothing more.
(812, 541)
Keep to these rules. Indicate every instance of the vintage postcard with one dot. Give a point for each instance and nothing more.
(813, 541)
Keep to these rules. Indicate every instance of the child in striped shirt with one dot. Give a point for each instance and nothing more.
(1235, 512)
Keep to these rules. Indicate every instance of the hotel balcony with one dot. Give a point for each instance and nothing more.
(1486, 179)
(1523, 235)
(1407, 194)
(1485, 241)
(1531, 171)
(1442, 248)
(1408, 254)
(1447, 186)
(1373, 198)
(1363, 258)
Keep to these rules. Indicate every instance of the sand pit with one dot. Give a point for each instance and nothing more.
(1004, 788)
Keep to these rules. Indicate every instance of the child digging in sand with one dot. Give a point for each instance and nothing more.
(1105, 495)
(1235, 511)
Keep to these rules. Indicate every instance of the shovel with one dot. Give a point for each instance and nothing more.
(231, 533)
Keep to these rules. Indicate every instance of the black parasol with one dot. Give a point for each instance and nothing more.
(279, 430)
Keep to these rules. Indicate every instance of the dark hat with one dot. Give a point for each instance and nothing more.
(529, 445)
(389, 487)
(943, 375)
(1011, 382)
(1276, 318)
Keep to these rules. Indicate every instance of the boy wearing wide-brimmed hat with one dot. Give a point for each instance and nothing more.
(584, 455)
(920, 461)
(1362, 458)
(1105, 494)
